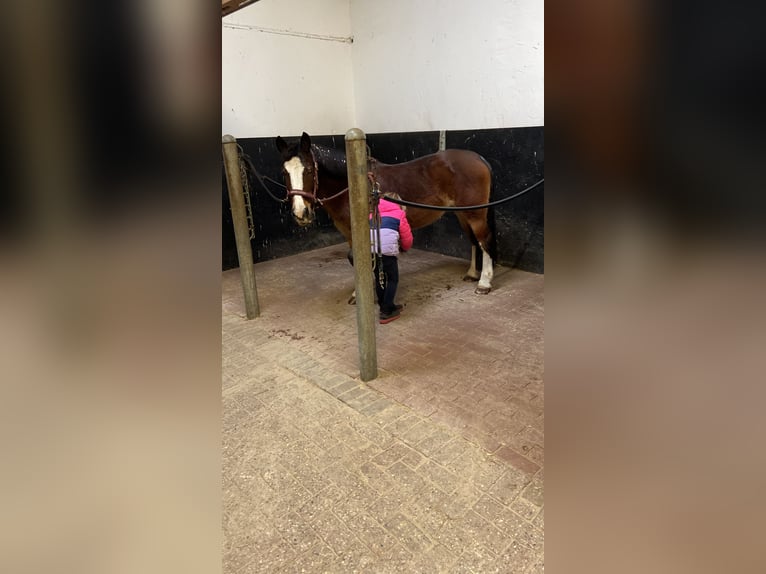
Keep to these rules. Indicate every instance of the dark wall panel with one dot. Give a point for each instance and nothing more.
(515, 154)
(401, 147)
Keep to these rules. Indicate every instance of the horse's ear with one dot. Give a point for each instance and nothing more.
(281, 145)
(306, 143)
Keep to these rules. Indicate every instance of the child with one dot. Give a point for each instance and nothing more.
(395, 235)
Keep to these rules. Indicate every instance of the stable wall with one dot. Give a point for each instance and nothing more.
(473, 69)
(275, 83)
(447, 65)
(412, 66)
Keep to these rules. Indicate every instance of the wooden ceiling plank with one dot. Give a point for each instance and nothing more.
(229, 6)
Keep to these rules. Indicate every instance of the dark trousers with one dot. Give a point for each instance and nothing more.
(387, 293)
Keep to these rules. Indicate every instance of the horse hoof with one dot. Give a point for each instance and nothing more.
(483, 290)
(470, 278)
(352, 300)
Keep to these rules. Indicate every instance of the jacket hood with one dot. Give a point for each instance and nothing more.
(388, 207)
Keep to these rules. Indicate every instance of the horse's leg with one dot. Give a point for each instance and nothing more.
(472, 274)
(350, 257)
(484, 237)
(485, 281)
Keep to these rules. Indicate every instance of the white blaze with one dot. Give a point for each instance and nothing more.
(298, 206)
(294, 169)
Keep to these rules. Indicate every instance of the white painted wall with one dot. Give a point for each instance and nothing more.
(414, 65)
(282, 85)
(447, 64)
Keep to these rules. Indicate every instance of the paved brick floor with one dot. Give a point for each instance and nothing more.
(435, 466)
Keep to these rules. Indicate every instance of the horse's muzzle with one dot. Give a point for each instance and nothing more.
(305, 219)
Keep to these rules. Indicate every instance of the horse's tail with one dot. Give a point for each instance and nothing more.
(491, 213)
(493, 234)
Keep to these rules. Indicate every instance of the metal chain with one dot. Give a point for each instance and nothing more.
(376, 224)
(246, 192)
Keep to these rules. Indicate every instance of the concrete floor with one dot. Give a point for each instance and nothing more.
(434, 466)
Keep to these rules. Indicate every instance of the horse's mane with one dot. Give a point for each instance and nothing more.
(332, 160)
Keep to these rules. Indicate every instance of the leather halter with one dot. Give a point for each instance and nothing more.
(313, 195)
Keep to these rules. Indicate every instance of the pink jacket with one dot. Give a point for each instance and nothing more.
(395, 230)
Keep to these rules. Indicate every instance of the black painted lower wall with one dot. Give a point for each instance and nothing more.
(515, 154)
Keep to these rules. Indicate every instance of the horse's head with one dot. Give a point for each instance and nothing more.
(301, 178)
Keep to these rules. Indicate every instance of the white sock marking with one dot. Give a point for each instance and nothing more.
(486, 270)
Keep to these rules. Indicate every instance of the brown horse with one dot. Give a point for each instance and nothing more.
(454, 177)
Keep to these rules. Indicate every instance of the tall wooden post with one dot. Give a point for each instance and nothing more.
(359, 196)
(241, 232)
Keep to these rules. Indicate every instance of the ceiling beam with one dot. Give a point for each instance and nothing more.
(229, 6)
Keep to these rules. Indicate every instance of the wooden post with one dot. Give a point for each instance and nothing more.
(359, 197)
(241, 232)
